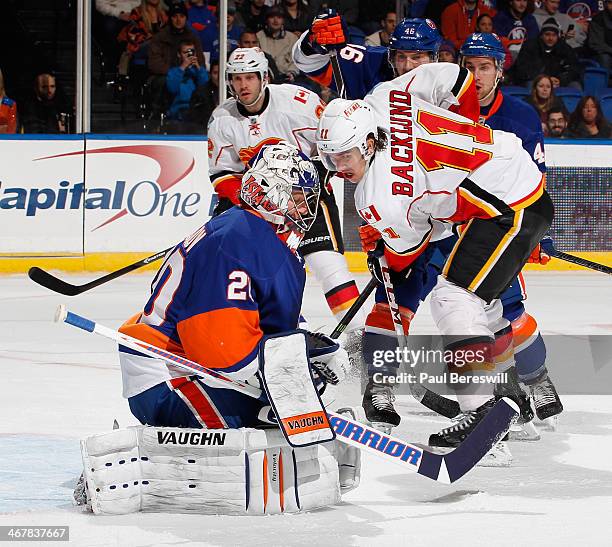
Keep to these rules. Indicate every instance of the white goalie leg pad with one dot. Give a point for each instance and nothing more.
(288, 381)
(207, 471)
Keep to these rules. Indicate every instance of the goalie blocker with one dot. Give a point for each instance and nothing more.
(215, 471)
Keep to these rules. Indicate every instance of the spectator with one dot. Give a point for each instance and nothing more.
(516, 24)
(274, 40)
(575, 35)
(205, 99)
(548, 54)
(145, 21)
(112, 16)
(8, 111)
(369, 12)
(47, 110)
(381, 37)
(253, 13)
(556, 124)
(234, 31)
(182, 80)
(447, 52)
(600, 36)
(434, 10)
(459, 20)
(581, 10)
(163, 50)
(484, 23)
(298, 16)
(588, 122)
(204, 23)
(249, 38)
(543, 98)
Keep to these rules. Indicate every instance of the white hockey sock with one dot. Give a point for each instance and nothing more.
(338, 284)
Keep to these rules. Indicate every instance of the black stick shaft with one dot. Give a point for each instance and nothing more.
(352, 311)
(55, 284)
(583, 262)
(339, 79)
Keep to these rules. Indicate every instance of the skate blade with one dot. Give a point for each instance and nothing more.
(550, 424)
(498, 456)
(524, 432)
(382, 427)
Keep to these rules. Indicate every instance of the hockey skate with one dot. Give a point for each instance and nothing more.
(80, 495)
(464, 424)
(546, 401)
(378, 406)
(513, 390)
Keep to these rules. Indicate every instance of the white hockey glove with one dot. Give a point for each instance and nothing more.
(327, 357)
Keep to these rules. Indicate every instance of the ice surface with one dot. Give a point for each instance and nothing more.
(58, 384)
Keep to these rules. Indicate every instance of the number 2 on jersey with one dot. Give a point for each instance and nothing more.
(239, 287)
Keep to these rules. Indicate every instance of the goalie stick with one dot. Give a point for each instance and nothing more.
(441, 467)
(49, 281)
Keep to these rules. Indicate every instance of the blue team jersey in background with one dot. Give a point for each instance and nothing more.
(514, 115)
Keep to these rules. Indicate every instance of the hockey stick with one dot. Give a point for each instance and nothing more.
(444, 468)
(55, 284)
(582, 262)
(434, 401)
(355, 307)
(333, 59)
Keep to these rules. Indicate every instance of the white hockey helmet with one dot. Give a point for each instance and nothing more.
(244, 60)
(345, 124)
(282, 185)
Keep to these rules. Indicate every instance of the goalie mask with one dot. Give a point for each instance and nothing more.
(282, 185)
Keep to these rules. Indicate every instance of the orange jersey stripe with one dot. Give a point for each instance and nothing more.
(220, 338)
(150, 335)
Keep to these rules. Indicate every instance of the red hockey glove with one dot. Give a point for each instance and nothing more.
(369, 236)
(328, 29)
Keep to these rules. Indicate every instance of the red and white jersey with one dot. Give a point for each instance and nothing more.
(438, 167)
(290, 113)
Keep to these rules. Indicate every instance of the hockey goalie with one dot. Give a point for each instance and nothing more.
(229, 297)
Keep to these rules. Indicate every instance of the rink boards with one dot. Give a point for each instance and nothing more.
(98, 202)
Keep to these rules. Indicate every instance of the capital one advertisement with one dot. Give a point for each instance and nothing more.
(84, 196)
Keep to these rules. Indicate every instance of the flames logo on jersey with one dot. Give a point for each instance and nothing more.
(211, 147)
(249, 152)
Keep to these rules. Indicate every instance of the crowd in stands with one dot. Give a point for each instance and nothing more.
(170, 50)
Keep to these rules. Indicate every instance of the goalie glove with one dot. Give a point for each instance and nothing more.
(328, 358)
(543, 252)
(328, 31)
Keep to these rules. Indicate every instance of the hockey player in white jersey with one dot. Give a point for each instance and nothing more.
(418, 168)
(260, 113)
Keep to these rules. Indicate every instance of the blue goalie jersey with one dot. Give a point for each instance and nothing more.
(220, 291)
(513, 115)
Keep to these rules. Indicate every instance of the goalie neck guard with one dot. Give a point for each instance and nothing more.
(282, 185)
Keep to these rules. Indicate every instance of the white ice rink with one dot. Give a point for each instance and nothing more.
(58, 385)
